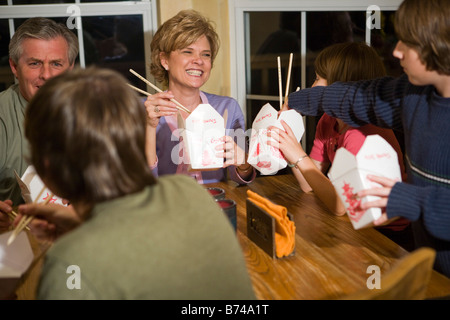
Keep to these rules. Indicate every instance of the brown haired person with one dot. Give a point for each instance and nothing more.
(349, 61)
(86, 130)
(417, 102)
(39, 49)
(183, 52)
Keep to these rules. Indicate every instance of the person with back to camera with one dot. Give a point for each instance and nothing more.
(349, 61)
(417, 102)
(134, 241)
(39, 49)
(183, 52)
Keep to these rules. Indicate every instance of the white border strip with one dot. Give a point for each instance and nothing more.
(426, 175)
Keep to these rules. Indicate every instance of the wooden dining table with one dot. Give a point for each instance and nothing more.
(330, 259)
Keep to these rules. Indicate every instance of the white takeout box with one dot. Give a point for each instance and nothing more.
(202, 131)
(15, 259)
(269, 159)
(31, 186)
(348, 175)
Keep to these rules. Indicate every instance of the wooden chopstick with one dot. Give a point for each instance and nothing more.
(12, 215)
(179, 105)
(291, 56)
(280, 87)
(139, 90)
(27, 219)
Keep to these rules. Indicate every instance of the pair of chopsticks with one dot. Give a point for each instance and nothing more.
(23, 223)
(291, 56)
(179, 105)
(12, 215)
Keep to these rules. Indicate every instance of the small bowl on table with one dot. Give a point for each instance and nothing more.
(229, 208)
(217, 193)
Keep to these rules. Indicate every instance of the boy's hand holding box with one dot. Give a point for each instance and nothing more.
(349, 176)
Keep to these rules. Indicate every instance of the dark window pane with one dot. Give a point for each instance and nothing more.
(116, 42)
(4, 41)
(326, 28)
(56, 1)
(6, 76)
(106, 0)
(323, 29)
(273, 34)
(41, 1)
(384, 40)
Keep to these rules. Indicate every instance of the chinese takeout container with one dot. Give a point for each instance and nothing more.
(348, 175)
(15, 259)
(33, 189)
(202, 131)
(269, 159)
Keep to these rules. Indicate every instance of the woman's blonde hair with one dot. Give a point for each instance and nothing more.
(349, 61)
(177, 33)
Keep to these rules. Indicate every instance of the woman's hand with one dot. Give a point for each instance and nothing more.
(233, 154)
(159, 105)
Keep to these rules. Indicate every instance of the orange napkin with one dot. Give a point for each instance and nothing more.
(284, 228)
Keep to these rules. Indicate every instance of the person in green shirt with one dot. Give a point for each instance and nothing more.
(39, 50)
(138, 237)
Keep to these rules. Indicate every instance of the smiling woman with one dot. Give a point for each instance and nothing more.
(183, 52)
(190, 66)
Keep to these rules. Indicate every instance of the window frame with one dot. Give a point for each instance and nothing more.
(239, 31)
(146, 8)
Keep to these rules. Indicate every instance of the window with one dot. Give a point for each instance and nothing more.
(113, 34)
(266, 29)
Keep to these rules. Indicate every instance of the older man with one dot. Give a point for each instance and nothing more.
(40, 49)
